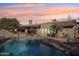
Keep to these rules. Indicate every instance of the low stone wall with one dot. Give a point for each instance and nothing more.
(2, 40)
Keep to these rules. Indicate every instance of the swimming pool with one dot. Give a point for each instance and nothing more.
(28, 48)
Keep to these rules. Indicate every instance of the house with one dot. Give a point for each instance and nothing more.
(43, 29)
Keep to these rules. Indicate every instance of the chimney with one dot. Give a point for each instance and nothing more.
(78, 20)
(53, 20)
(30, 22)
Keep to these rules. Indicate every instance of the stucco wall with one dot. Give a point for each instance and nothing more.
(68, 31)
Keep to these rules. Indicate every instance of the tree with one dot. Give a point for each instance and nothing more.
(9, 23)
(56, 28)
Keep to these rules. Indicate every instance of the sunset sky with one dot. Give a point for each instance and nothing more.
(39, 12)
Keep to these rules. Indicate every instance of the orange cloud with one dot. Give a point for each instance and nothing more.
(20, 6)
(58, 10)
(8, 14)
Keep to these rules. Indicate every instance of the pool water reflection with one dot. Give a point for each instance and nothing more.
(29, 48)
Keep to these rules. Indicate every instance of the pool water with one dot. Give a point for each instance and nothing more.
(28, 48)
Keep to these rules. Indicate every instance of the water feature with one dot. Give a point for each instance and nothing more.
(29, 48)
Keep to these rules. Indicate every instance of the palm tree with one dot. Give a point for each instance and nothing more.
(50, 28)
(56, 28)
(60, 27)
(76, 30)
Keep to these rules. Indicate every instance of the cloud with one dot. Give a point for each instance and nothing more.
(57, 10)
(21, 6)
(11, 10)
(41, 15)
(12, 13)
(24, 5)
